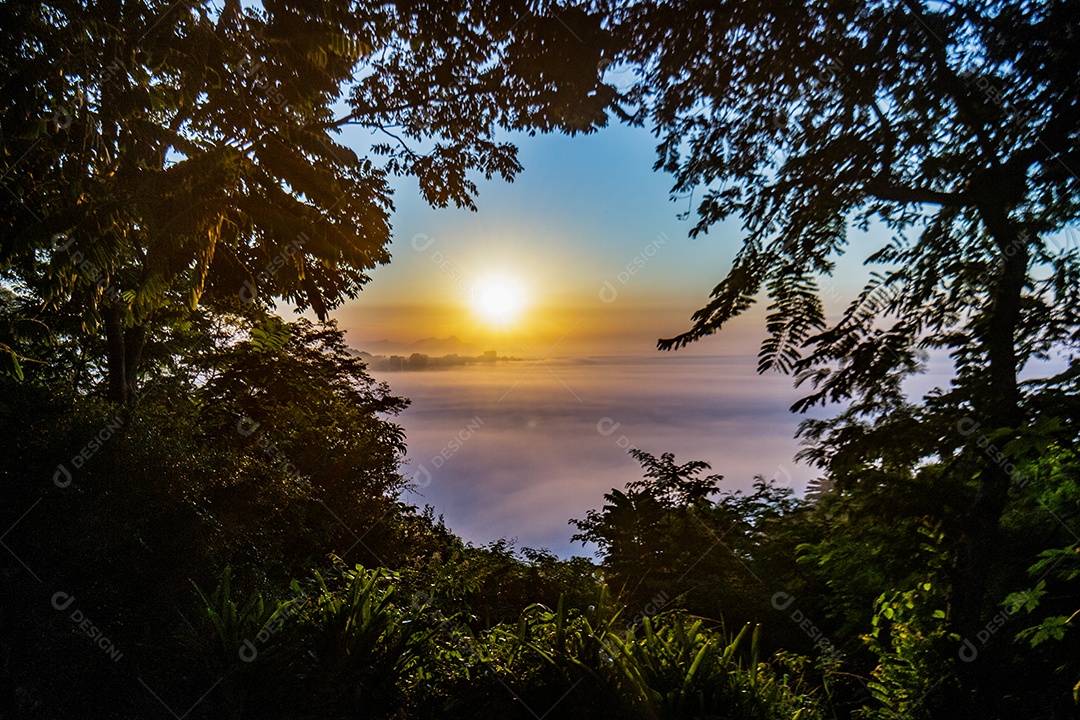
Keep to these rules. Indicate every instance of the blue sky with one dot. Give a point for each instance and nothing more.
(583, 210)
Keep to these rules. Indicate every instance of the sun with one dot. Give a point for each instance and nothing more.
(499, 300)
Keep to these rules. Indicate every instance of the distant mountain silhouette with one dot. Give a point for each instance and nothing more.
(449, 345)
(431, 345)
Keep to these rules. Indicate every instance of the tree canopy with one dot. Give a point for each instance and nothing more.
(955, 127)
(213, 495)
(160, 156)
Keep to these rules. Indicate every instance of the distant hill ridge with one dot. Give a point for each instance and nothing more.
(449, 345)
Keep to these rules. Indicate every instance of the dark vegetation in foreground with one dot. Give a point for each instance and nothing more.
(200, 513)
(232, 544)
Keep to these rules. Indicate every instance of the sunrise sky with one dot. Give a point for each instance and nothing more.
(583, 209)
(541, 273)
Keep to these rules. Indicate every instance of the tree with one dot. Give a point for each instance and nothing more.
(162, 155)
(268, 450)
(664, 540)
(954, 125)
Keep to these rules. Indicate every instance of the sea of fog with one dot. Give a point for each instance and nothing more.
(516, 449)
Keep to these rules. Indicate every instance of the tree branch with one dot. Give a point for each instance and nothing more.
(883, 189)
(953, 85)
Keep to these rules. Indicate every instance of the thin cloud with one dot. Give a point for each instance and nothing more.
(541, 456)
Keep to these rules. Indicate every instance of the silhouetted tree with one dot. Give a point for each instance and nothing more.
(162, 154)
(664, 539)
(955, 125)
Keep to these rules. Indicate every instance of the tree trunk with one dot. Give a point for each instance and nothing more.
(124, 348)
(134, 340)
(116, 356)
(977, 546)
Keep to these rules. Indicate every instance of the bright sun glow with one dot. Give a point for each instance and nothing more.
(499, 300)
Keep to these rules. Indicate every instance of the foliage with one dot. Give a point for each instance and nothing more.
(164, 156)
(1051, 603)
(336, 646)
(951, 127)
(912, 644)
(353, 645)
(836, 113)
(681, 670)
(663, 540)
(233, 622)
(173, 171)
